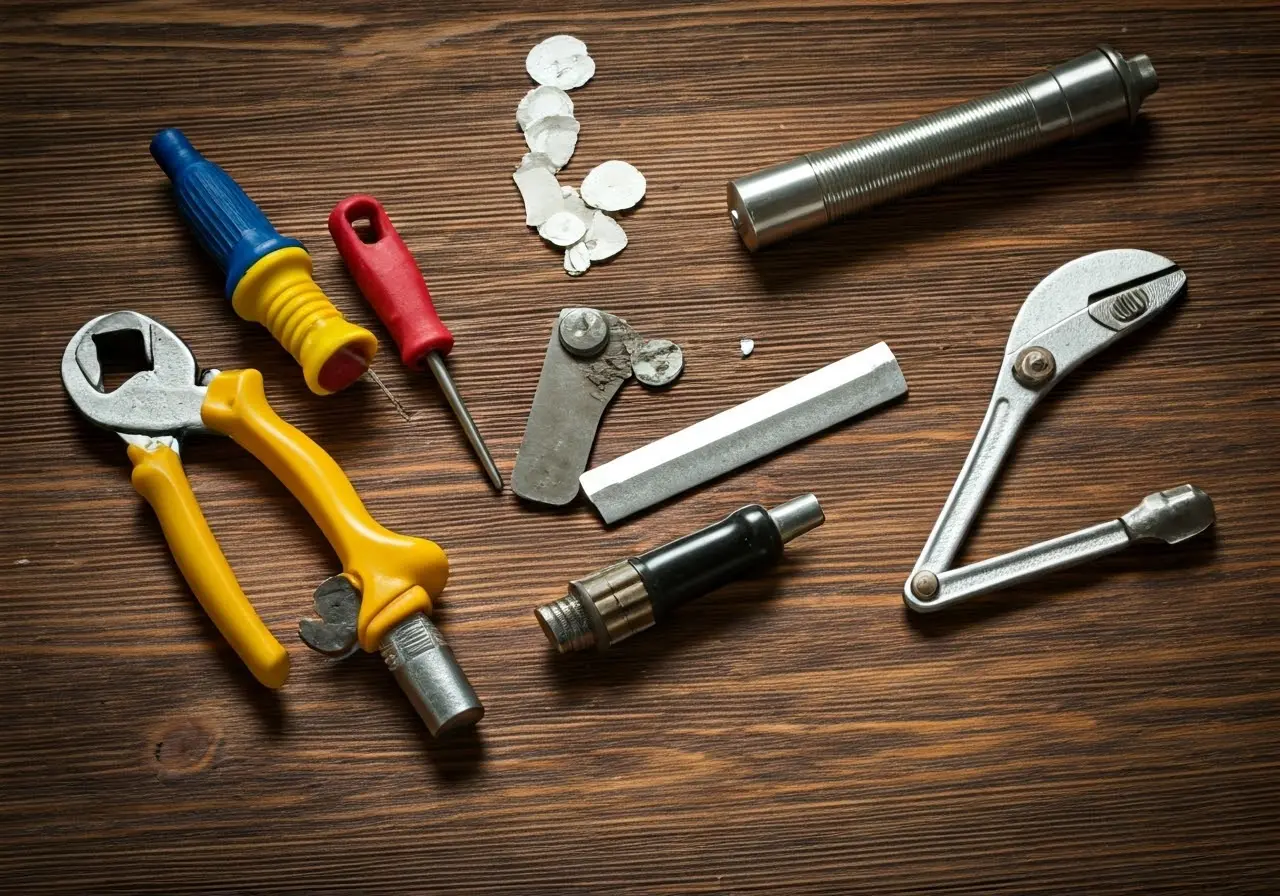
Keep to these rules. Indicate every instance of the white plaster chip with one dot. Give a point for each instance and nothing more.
(560, 61)
(541, 102)
(605, 237)
(563, 229)
(541, 194)
(555, 136)
(613, 186)
(577, 259)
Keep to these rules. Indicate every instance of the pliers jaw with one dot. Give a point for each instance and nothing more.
(162, 399)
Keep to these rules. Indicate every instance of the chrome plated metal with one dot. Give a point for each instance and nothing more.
(1074, 313)
(797, 516)
(1069, 100)
(742, 434)
(469, 429)
(161, 399)
(423, 665)
(1170, 516)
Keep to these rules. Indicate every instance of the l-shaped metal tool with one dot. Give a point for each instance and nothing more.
(1074, 313)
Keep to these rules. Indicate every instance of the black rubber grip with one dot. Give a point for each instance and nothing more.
(743, 543)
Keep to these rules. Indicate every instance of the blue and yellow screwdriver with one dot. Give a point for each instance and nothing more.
(268, 274)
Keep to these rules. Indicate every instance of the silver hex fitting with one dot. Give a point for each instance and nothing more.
(424, 667)
(1069, 100)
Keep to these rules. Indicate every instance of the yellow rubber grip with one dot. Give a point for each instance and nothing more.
(158, 476)
(397, 575)
(279, 293)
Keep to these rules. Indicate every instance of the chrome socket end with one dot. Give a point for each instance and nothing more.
(797, 516)
(424, 666)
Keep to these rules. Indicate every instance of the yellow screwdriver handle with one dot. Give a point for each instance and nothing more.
(158, 477)
(397, 575)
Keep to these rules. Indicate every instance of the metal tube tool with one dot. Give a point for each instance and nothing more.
(385, 270)
(1074, 313)
(1068, 100)
(625, 598)
(388, 581)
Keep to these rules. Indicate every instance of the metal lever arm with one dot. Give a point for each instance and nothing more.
(1170, 516)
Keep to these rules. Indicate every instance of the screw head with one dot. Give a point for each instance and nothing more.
(1034, 366)
(924, 584)
(583, 332)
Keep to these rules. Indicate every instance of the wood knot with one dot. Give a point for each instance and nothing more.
(183, 747)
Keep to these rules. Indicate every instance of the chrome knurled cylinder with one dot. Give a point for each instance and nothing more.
(1072, 99)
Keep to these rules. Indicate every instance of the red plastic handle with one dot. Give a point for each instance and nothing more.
(388, 276)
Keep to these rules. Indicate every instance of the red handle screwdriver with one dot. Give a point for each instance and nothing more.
(390, 279)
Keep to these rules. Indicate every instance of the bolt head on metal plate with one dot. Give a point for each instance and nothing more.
(924, 584)
(584, 332)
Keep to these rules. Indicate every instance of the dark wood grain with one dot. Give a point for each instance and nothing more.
(1108, 729)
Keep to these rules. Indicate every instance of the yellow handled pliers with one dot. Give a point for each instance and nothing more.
(388, 581)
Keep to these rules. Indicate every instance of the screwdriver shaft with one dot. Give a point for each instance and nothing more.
(441, 373)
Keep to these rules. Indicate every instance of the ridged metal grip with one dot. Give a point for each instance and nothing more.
(1072, 99)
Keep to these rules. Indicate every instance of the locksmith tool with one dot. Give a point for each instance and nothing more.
(384, 269)
(268, 275)
(1074, 313)
(618, 601)
(392, 578)
(1069, 100)
(590, 355)
(742, 434)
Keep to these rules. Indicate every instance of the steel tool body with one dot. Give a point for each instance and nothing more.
(268, 275)
(390, 279)
(744, 433)
(393, 577)
(590, 356)
(1068, 100)
(1074, 313)
(626, 598)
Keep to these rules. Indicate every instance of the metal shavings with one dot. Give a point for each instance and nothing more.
(542, 102)
(556, 136)
(577, 259)
(657, 362)
(560, 61)
(541, 194)
(563, 229)
(613, 186)
(537, 160)
(605, 238)
(747, 346)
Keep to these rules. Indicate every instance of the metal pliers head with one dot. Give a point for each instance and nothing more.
(164, 396)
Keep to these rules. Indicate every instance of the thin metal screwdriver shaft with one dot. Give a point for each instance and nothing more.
(441, 373)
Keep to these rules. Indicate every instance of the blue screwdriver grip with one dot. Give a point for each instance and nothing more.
(225, 220)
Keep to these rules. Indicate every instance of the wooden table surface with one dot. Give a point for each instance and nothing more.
(1108, 729)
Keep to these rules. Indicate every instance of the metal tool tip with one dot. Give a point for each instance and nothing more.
(797, 516)
(1171, 516)
(565, 624)
(424, 667)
